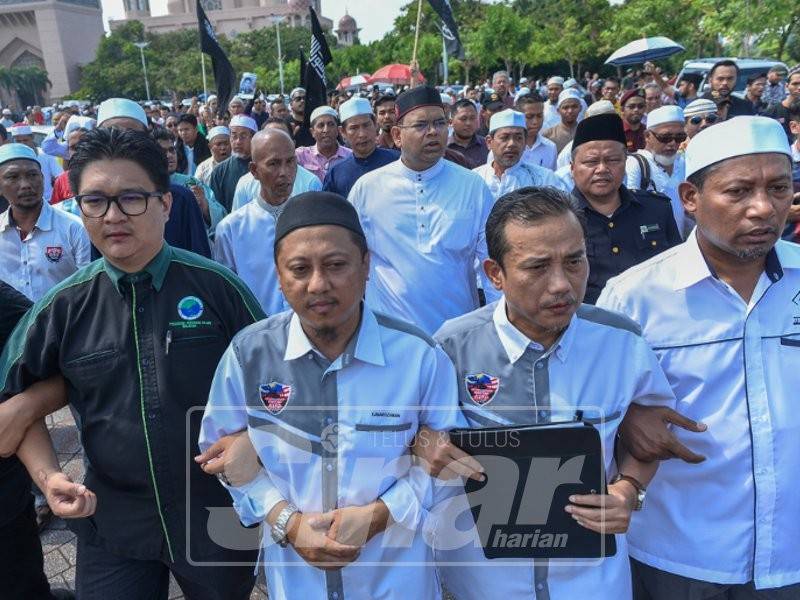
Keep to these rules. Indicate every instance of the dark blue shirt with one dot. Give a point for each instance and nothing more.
(343, 175)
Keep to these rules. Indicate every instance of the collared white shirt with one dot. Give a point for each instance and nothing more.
(190, 166)
(665, 183)
(520, 175)
(244, 243)
(425, 231)
(537, 385)
(735, 366)
(248, 187)
(336, 434)
(542, 152)
(55, 248)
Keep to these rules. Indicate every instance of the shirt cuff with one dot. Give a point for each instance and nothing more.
(408, 498)
(253, 501)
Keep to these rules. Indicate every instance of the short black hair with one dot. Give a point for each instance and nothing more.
(278, 100)
(723, 63)
(3, 132)
(280, 121)
(188, 118)
(464, 103)
(382, 99)
(163, 134)
(794, 111)
(533, 97)
(526, 205)
(756, 77)
(611, 78)
(105, 143)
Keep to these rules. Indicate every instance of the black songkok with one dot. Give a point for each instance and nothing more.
(598, 128)
(316, 208)
(422, 95)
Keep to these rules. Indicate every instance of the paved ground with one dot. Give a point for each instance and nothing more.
(58, 542)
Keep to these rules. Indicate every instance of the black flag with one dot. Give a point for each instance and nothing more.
(224, 74)
(449, 30)
(302, 68)
(315, 83)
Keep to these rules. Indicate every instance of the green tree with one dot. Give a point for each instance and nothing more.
(28, 83)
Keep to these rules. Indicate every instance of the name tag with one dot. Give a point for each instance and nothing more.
(644, 229)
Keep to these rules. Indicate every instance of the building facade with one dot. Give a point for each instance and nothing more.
(229, 17)
(59, 36)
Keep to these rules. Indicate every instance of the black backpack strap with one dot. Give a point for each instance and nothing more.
(645, 179)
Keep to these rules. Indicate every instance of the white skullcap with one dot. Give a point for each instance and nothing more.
(739, 136)
(235, 99)
(556, 81)
(570, 83)
(323, 110)
(601, 107)
(506, 118)
(78, 122)
(21, 129)
(120, 108)
(9, 152)
(219, 130)
(297, 91)
(700, 106)
(355, 107)
(522, 92)
(663, 115)
(523, 80)
(568, 94)
(6, 111)
(243, 121)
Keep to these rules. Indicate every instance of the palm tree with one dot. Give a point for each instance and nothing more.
(28, 83)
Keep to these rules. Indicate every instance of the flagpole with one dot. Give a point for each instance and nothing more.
(414, 66)
(203, 66)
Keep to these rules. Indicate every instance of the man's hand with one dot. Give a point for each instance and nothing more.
(62, 122)
(355, 525)
(233, 455)
(645, 434)
(14, 423)
(66, 499)
(441, 458)
(202, 202)
(604, 513)
(314, 546)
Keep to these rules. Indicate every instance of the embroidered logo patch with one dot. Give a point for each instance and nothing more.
(54, 253)
(275, 396)
(190, 308)
(481, 387)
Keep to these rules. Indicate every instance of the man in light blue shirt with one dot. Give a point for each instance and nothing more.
(722, 311)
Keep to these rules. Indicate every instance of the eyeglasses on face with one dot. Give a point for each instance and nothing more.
(131, 204)
(425, 126)
(709, 118)
(666, 138)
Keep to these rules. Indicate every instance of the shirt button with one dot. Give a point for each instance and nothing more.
(335, 595)
(151, 414)
(329, 420)
(615, 250)
(540, 586)
(329, 468)
(611, 225)
(653, 243)
(422, 226)
(141, 309)
(539, 365)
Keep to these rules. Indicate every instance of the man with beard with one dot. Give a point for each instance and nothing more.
(219, 143)
(722, 78)
(358, 129)
(297, 106)
(507, 172)
(426, 233)
(633, 106)
(500, 84)
(226, 175)
(699, 114)
(279, 110)
(623, 227)
(721, 309)
(465, 139)
(244, 239)
(385, 118)
(687, 89)
(659, 167)
(326, 150)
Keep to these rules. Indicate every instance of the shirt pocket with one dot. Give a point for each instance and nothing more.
(651, 242)
(92, 366)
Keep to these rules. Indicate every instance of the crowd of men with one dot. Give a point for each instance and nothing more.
(263, 316)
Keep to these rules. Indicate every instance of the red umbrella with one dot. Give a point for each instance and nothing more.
(398, 74)
(355, 80)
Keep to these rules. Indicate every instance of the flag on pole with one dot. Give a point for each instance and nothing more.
(302, 68)
(449, 29)
(224, 75)
(315, 82)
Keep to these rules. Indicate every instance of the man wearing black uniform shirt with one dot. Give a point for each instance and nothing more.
(136, 336)
(623, 227)
(722, 78)
(300, 130)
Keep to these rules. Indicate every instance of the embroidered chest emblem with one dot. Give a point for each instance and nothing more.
(481, 387)
(54, 253)
(275, 396)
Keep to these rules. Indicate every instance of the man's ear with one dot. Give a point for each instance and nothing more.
(690, 195)
(166, 200)
(494, 271)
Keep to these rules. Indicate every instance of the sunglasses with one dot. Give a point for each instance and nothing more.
(670, 137)
(710, 118)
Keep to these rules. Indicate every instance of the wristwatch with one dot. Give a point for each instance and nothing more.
(278, 532)
(641, 491)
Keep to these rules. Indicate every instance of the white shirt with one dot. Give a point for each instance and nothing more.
(203, 171)
(244, 243)
(425, 231)
(519, 176)
(248, 187)
(51, 169)
(565, 175)
(548, 385)
(665, 183)
(542, 153)
(735, 366)
(565, 156)
(56, 247)
(551, 116)
(337, 435)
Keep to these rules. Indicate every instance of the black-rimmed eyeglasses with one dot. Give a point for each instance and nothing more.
(131, 204)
